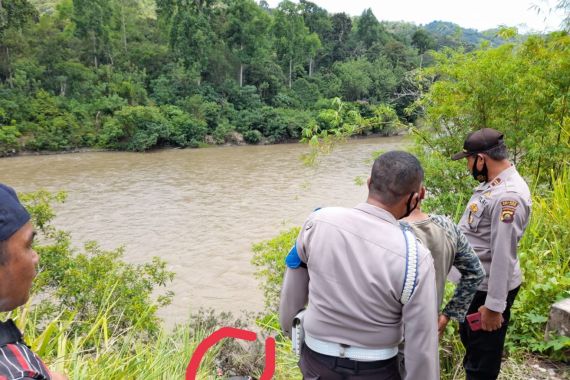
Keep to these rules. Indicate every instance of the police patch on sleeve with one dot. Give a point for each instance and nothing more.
(508, 209)
(293, 260)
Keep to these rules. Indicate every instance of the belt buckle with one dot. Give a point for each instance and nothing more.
(342, 351)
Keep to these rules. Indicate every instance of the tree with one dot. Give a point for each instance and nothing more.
(423, 41)
(247, 31)
(319, 23)
(93, 25)
(522, 91)
(335, 42)
(293, 38)
(14, 14)
(369, 31)
(189, 30)
(355, 78)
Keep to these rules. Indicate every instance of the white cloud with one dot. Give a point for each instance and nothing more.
(481, 14)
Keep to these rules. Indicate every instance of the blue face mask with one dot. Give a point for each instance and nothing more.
(480, 175)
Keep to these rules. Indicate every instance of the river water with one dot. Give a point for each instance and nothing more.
(200, 210)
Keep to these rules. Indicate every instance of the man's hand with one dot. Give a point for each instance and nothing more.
(441, 324)
(490, 320)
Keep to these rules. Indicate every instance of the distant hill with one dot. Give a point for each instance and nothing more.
(449, 34)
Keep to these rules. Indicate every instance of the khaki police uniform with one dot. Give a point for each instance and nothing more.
(356, 263)
(493, 222)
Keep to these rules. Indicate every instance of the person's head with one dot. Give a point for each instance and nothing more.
(396, 182)
(486, 153)
(18, 260)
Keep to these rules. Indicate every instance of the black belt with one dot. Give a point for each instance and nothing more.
(347, 363)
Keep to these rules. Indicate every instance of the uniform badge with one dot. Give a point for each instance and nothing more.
(474, 208)
(512, 204)
(507, 215)
(508, 211)
(487, 194)
(470, 219)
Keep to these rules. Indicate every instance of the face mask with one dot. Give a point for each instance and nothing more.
(482, 175)
(409, 207)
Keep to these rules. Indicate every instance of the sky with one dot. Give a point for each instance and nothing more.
(476, 14)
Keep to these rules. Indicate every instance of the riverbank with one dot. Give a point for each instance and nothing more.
(234, 142)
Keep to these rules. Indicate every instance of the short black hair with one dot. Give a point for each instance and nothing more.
(498, 153)
(395, 174)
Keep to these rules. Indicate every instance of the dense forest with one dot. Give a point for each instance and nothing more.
(139, 74)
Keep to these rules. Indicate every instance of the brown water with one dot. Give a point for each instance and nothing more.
(199, 209)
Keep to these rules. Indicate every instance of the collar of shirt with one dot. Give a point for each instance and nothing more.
(377, 212)
(9, 333)
(501, 178)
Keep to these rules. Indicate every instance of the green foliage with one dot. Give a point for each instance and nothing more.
(70, 78)
(269, 258)
(338, 120)
(15, 14)
(253, 137)
(545, 261)
(355, 78)
(9, 135)
(126, 354)
(519, 90)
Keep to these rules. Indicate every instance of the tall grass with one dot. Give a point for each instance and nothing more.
(545, 261)
(104, 354)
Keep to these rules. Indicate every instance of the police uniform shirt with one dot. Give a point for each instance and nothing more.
(356, 260)
(494, 221)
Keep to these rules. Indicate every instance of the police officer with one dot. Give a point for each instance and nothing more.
(493, 222)
(358, 261)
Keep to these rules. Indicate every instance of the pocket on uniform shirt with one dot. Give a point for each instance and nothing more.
(474, 216)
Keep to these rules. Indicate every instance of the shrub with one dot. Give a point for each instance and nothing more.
(269, 258)
(9, 135)
(138, 128)
(252, 137)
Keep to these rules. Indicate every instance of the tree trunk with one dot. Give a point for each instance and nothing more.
(290, 71)
(94, 49)
(62, 88)
(10, 82)
(310, 67)
(241, 74)
(124, 28)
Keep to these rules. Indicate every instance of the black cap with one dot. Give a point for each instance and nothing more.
(480, 141)
(12, 214)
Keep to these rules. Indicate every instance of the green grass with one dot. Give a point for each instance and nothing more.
(104, 354)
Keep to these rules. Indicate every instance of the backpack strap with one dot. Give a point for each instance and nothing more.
(411, 276)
